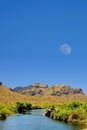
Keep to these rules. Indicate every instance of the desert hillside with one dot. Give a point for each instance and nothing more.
(7, 96)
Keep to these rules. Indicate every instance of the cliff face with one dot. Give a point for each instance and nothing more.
(33, 89)
(43, 89)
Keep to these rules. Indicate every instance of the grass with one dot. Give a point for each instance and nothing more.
(6, 110)
(74, 112)
(20, 107)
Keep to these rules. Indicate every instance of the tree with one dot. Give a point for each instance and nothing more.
(23, 107)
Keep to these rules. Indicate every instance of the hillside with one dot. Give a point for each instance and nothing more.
(43, 90)
(7, 96)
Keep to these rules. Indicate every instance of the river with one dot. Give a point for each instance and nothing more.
(34, 120)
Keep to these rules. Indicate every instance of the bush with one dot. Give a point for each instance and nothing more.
(23, 107)
(74, 112)
(4, 113)
(62, 115)
(74, 105)
(6, 110)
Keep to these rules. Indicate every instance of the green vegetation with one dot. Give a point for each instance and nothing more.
(6, 110)
(75, 112)
(23, 107)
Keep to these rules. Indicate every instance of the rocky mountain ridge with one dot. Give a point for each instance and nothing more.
(44, 89)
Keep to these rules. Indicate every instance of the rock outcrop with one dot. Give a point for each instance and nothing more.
(1, 84)
(43, 89)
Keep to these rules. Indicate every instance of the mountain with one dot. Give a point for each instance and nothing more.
(44, 89)
(56, 94)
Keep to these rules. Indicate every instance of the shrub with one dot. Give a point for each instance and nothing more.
(23, 107)
(74, 112)
(62, 115)
(6, 110)
(74, 105)
(4, 113)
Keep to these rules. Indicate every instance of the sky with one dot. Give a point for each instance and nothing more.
(31, 35)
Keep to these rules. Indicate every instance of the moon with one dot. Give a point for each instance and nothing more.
(65, 49)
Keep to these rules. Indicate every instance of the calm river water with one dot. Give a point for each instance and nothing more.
(34, 120)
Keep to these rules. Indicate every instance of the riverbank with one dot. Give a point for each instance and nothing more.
(19, 107)
(74, 113)
(34, 120)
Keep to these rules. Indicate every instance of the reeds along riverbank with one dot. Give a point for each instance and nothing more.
(75, 112)
(19, 107)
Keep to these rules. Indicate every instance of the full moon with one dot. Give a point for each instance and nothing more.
(65, 49)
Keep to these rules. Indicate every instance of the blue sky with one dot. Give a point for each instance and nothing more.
(31, 32)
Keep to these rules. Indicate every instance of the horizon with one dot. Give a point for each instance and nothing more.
(43, 41)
